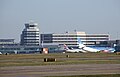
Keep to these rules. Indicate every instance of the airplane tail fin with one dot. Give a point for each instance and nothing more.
(66, 47)
(81, 45)
(79, 41)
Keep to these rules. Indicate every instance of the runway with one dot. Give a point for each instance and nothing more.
(59, 70)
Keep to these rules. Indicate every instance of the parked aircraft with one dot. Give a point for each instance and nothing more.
(72, 50)
(85, 48)
(0, 53)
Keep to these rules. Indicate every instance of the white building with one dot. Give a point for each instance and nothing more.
(71, 39)
(30, 35)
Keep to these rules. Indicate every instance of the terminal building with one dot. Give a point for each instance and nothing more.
(30, 41)
(8, 42)
(30, 35)
(71, 39)
(33, 42)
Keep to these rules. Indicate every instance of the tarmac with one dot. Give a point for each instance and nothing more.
(59, 70)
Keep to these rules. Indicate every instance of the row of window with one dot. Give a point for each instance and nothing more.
(97, 35)
(64, 38)
(19, 49)
(80, 35)
(81, 39)
(31, 33)
(46, 35)
(64, 41)
(97, 39)
(6, 40)
(31, 36)
(64, 35)
(69, 44)
(32, 25)
(46, 38)
(31, 43)
(9, 48)
(46, 41)
(32, 39)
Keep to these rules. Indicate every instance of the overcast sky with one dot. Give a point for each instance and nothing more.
(59, 16)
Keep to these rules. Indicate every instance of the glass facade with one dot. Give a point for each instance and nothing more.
(46, 38)
(20, 49)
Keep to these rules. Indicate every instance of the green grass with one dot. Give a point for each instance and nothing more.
(107, 75)
(75, 58)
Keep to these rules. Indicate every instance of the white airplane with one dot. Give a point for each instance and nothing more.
(87, 49)
(72, 50)
(0, 53)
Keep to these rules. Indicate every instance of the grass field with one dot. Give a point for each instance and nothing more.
(107, 75)
(74, 58)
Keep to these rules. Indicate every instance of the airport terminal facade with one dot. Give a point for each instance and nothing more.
(71, 39)
(32, 41)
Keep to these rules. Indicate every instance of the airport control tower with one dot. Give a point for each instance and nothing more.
(30, 34)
